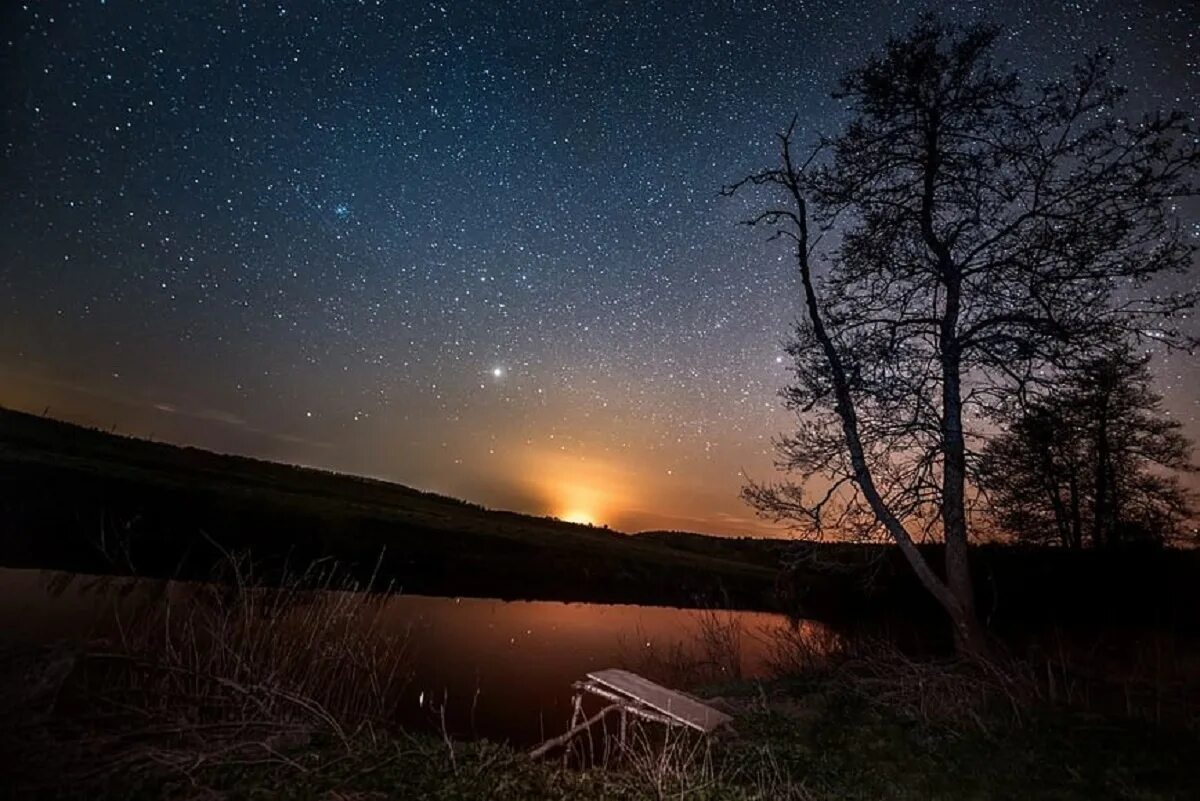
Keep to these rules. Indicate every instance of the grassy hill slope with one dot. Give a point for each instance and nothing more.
(78, 498)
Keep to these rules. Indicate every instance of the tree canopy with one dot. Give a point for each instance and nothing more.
(1093, 463)
(965, 236)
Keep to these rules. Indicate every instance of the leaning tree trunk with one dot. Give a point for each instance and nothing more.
(954, 592)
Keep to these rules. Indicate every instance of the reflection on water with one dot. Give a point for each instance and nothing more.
(502, 669)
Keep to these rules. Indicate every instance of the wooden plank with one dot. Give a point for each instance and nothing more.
(671, 703)
(628, 704)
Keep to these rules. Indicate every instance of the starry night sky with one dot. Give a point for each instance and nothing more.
(474, 248)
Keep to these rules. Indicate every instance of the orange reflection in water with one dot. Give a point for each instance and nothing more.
(479, 667)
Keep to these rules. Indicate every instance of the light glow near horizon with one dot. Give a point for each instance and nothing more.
(428, 252)
(578, 516)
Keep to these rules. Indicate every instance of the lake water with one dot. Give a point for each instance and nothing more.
(504, 669)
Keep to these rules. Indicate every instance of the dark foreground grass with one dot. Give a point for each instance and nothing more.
(816, 737)
(845, 747)
(839, 749)
(236, 691)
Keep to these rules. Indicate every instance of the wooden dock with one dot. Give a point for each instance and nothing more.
(637, 691)
(632, 695)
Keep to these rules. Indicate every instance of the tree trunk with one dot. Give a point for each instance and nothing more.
(1076, 517)
(955, 593)
(1100, 511)
(969, 638)
(1112, 534)
(1053, 490)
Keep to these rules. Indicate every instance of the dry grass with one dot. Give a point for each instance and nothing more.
(297, 683)
(645, 760)
(711, 651)
(220, 674)
(800, 647)
(1152, 677)
(1150, 674)
(201, 680)
(311, 647)
(934, 690)
(677, 763)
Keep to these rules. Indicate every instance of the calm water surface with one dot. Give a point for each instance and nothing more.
(503, 668)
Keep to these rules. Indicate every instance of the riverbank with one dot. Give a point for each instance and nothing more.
(496, 669)
(822, 734)
(244, 692)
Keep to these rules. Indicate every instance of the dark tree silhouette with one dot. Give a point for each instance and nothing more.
(1093, 462)
(982, 234)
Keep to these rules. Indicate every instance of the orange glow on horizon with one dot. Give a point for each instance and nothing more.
(578, 516)
(576, 489)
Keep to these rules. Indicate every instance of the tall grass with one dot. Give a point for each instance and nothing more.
(311, 648)
(201, 675)
(196, 682)
(713, 649)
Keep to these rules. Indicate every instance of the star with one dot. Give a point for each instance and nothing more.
(370, 212)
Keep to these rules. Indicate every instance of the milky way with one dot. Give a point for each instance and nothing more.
(476, 248)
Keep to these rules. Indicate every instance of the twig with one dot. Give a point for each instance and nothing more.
(566, 737)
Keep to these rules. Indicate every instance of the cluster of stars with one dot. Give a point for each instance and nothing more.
(423, 242)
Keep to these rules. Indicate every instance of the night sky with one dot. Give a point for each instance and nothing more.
(474, 248)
